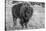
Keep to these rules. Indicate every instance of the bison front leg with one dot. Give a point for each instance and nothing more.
(25, 25)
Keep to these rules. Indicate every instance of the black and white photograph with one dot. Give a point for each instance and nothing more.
(24, 15)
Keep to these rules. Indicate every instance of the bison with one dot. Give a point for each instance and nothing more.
(24, 12)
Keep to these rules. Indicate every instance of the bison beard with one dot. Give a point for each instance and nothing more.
(23, 13)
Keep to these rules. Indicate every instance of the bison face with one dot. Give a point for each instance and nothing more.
(27, 12)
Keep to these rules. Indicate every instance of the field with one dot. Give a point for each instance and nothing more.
(36, 22)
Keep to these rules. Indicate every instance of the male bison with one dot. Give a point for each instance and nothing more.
(24, 12)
